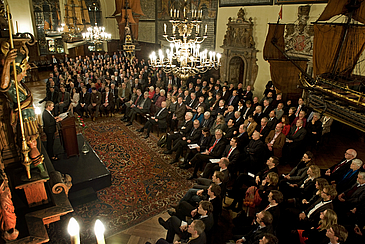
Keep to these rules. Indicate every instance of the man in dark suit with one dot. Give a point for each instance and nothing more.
(83, 102)
(255, 153)
(203, 143)
(248, 110)
(178, 116)
(106, 102)
(174, 225)
(263, 129)
(95, 101)
(272, 120)
(263, 226)
(142, 108)
(258, 114)
(339, 169)
(266, 108)
(353, 198)
(311, 215)
(192, 102)
(185, 128)
(238, 120)
(217, 146)
(134, 102)
(294, 141)
(229, 113)
(349, 178)
(51, 95)
(247, 95)
(159, 118)
(195, 229)
(242, 138)
(49, 127)
(231, 152)
(233, 99)
(191, 138)
(63, 100)
(207, 120)
(123, 95)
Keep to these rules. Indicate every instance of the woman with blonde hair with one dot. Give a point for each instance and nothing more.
(317, 234)
(303, 189)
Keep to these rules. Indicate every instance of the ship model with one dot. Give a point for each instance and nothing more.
(127, 14)
(77, 20)
(335, 90)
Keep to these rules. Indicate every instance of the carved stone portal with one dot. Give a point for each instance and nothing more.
(239, 55)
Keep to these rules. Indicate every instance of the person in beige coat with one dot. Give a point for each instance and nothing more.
(275, 141)
(250, 124)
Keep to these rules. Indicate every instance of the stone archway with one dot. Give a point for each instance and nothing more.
(236, 70)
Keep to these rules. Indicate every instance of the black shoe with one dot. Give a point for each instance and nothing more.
(171, 213)
(146, 136)
(192, 177)
(167, 152)
(174, 206)
(174, 161)
(184, 166)
(129, 124)
(140, 130)
(162, 222)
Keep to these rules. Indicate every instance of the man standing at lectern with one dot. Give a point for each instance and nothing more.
(49, 127)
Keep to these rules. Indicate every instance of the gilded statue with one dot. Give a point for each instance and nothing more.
(8, 88)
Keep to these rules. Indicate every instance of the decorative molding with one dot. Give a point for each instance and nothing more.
(239, 56)
(226, 3)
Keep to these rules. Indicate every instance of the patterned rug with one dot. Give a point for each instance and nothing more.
(143, 182)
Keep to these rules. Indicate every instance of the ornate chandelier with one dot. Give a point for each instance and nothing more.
(96, 34)
(184, 58)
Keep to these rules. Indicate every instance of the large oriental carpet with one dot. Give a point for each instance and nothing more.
(143, 182)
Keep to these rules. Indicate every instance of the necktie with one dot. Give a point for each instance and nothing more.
(192, 132)
(211, 148)
(230, 101)
(261, 129)
(296, 131)
(244, 115)
(229, 152)
(298, 110)
(135, 103)
(106, 98)
(338, 166)
(159, 112)
(205, 122)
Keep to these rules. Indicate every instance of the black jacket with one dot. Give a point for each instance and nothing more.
(49, 123)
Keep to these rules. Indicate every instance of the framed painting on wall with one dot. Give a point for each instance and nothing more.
(299, 1)
(226, 3)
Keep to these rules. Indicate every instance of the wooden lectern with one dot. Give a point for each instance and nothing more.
(67, 132)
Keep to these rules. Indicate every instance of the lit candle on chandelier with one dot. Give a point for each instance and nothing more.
(206, 30)
(171, 13)
(164, 28)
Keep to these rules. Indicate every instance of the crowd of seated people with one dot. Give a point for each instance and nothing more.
(236, 140)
